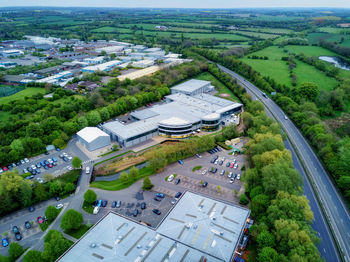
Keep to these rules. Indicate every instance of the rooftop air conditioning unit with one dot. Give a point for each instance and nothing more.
(138, 246)
(93, 245)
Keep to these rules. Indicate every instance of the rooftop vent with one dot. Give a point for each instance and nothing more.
(93, 245)
(138, 246)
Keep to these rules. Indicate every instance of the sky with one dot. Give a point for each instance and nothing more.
(180, 3)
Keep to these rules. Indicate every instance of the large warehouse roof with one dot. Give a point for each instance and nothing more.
(191, 85)
(89, 134)
(197, 229)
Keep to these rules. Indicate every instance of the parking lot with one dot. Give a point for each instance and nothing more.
(193, 180)
(56, 169)
(134, 202)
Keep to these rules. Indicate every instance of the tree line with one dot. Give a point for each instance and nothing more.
(17, 192)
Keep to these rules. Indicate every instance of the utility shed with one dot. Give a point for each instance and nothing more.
(93, 138)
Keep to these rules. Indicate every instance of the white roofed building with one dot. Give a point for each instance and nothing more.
(93, 138)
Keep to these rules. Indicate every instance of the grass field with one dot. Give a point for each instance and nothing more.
(333, 30)
(105, 29)
(310, 50)
(257, 34)
(269, 30)
(222, 89)
(278, 69)
(20, 95)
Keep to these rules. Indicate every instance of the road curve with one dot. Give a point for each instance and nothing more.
(331, 201)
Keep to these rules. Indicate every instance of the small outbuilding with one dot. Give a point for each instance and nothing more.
(93, 138)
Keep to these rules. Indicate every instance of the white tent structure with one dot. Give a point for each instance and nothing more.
(93, 138)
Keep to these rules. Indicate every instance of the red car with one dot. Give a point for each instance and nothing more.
(50, 166)
(4, 168)
(232, 165)
(40, 220)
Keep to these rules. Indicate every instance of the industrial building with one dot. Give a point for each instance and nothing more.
(56, 79)
(192, 87)
(143, 63)
(104, 67)
(185, 111)
(198, 228)
(93, 138)
(110, 49)
(11, 53)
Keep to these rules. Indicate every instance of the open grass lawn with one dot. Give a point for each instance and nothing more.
(118, 184)
(278, 69)
(20, 95)
(269, 30)
(333, 30)
(306, 73)
(310, 50)
(222, 89)
(257, 34)
(105, 29)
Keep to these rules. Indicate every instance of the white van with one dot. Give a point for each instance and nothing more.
(96, 209)
(88, 170)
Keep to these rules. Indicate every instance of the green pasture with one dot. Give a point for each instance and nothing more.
(310, 50)
(20, 95)
(278, 69)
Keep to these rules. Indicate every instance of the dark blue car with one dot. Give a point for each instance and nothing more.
(160, 195)
(5, 242)
(180, 162)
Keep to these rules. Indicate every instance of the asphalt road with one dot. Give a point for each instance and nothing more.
(332, 202)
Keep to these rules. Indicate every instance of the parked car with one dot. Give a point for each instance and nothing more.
(30, 177)
(204, 172)
(99, 203)
(173, 201)
(42, 163)
(38, 165)
(222, 172)
(104, 203)
(15, 229)
(177, 181)
(228, 164)
(205, 184)
(161, 195)
(22, 161)
(5, 242)
(27, 225)
(136, 211)
(59, 206)
(57, 198)
(119, 203)
(26, 160)
(65, 159)
(47, 153)
(213, 161)
(235, 166)
(31, 209)
(46, 167)
(143, 205)
(215, 170)
(180, 162)
(54, 159)
(221, 162)
(54, 164)
(24, 171)
(69, 157)
(156, 211)
(58, 149)
(178, 194)
(198, 155)
(40, 220)
(171, 178)
(232, 180)
(1, 170)
(232, 165)
(157, 199)
(239, 176)
(18, 236)
(50, 166)
(114, 203)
